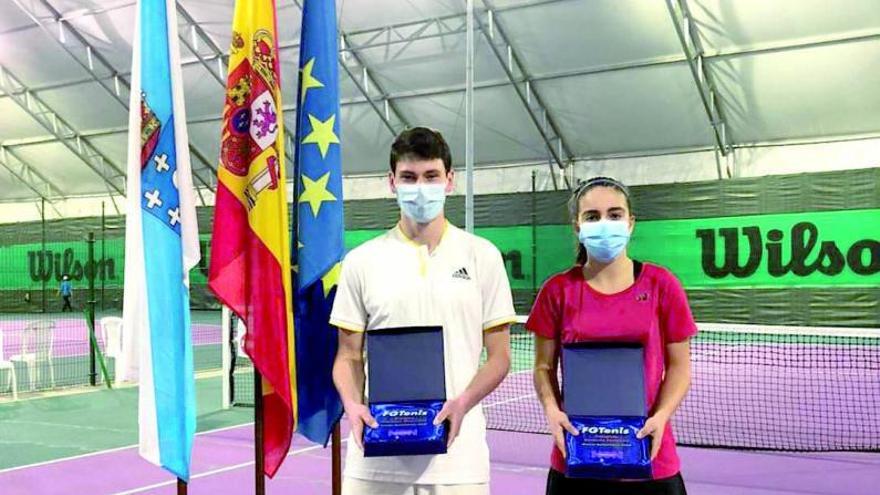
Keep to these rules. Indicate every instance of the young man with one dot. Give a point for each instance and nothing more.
(424, 271)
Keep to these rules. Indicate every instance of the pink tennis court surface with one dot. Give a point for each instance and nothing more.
(223, 464)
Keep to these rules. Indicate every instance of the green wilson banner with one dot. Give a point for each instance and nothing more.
(27, 266)
(821, 249)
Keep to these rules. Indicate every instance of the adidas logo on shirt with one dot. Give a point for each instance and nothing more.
(461, 273)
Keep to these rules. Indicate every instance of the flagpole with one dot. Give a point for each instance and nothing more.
(181, 487)
(336, 448)
(259, 471)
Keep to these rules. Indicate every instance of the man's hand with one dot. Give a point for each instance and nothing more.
(358, 416)
(453, 410)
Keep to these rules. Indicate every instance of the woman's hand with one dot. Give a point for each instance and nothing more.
(654, 428)
(559, 424)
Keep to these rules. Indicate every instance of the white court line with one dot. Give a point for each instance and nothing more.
(214, 471)
(506, 401)
(87, 389)
(115, 449)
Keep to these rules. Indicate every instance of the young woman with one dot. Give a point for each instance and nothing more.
(609, 297)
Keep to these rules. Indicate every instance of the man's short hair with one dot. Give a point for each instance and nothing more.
(420, 143)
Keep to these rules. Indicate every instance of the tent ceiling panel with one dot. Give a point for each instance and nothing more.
(582, 35)
(289, 20)
(11, 189)
(365, 141)
(347, 89)
(289, 68)
(355, 16)
(204, 94)
(86, 107)
(512, 3)
(77, 8)
(35, 59)
(15, 123)
(726, 25)
(430, 63)
(114, 146)
(824, 91)
(502, 129)
(109, 31)
(207, 138)
(653, 108)
(60, 166)
(215, 18)
(777, 94)
(12, 19)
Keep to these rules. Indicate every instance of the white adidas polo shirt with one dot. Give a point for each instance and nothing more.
(390, 281)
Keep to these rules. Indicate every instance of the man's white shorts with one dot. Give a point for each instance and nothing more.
(354, 486)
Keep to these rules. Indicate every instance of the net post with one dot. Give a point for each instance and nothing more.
(259, 471)
(90, 276)
(226, 357)
(336, 449)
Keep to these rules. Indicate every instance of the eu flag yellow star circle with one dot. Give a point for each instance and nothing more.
(308, 80)
(315, 192)
(322, 134)
(330, 279)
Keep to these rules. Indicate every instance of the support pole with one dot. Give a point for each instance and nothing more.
(44, 256)
(469, 122)
(91, 268)
(181, 487)
(103, 254)
(534, 238)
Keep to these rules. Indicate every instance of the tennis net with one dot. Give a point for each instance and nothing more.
(753, 387)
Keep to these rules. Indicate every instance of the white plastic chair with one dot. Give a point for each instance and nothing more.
(37, 340)
(9, 366)
(111, 334)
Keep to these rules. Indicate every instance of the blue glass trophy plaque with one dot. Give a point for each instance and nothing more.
(406, 390)
(603, 387)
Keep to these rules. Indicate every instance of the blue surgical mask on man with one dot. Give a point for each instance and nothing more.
(421, 202)
(604, 240)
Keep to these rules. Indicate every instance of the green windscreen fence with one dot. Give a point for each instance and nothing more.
(793, 249)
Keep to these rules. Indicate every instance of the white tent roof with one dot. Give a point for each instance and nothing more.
(612, 76)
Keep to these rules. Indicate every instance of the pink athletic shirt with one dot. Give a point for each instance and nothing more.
(653, 311)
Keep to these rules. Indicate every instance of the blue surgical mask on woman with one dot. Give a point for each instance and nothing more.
(604, 240)
(421, 202)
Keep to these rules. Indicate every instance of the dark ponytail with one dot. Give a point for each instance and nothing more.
(581, 255)
(575, 200)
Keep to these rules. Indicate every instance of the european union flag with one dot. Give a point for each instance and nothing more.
(317, 244)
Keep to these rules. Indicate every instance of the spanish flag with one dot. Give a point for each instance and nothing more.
(250, 250)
